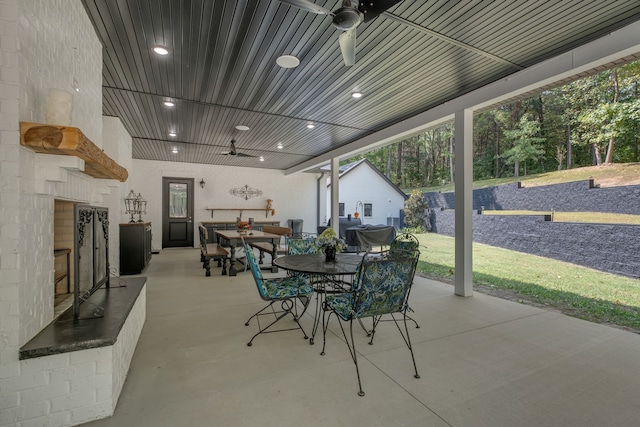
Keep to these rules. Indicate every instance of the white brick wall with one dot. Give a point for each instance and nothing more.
(46, 44)
(71, 388)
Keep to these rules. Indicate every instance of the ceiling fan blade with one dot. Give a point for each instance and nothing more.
(372, 9)
(308, 6)
(244, 155)
(348, 47)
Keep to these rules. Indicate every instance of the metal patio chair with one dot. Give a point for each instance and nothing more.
(283, 291)
(381, 287)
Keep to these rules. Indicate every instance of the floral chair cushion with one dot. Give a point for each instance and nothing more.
(301, 246)
(381, 287)
(277, 288)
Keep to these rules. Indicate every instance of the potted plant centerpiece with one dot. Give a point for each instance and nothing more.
(243, 227)
(329, 244)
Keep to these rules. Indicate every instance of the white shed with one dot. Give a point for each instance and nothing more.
(364, 189)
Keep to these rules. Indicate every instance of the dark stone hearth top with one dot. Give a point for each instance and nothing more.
(66, 334)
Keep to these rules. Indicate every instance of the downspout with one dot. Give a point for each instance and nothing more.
(319, 195)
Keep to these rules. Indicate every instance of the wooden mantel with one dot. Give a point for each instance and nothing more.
(70, 141)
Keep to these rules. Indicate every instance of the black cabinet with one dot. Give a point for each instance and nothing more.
(135, 247)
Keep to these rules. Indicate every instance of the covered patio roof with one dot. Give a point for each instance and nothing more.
(411, 61)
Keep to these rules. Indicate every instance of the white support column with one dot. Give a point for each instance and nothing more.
(463, 284)
(335, 194)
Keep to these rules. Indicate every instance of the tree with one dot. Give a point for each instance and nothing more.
(526, 144)
(416, 210)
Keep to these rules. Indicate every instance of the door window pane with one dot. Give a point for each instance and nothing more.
(340, 209)
(177, 200)
(368, 209)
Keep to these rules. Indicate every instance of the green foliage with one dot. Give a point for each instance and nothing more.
(414, 210)
(526, 143)
(570, 126)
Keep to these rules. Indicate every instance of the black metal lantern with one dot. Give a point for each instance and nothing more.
(141, 206)
(130, 205)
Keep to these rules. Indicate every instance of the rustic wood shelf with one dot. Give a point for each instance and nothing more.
(266, 211)
(70, 141)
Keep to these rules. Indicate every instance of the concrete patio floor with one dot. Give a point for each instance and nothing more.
(483, 361)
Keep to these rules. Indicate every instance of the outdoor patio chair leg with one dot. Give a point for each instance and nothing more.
(407, 339)
(352, 349)
(286, 308)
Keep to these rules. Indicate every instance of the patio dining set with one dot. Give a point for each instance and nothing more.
(352, 287)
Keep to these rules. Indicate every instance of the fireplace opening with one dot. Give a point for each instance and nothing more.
(63, 253)
(81, 255)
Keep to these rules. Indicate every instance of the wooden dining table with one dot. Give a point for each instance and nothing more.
(232, 238)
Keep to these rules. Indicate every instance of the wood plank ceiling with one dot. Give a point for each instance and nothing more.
(221, 68)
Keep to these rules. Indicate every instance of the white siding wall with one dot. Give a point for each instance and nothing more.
(294, 196)
(366, 185)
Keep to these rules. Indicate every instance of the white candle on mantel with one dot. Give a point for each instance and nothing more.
(59, 105)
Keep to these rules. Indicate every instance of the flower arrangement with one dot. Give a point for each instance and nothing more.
(328, 239)
(243, 225)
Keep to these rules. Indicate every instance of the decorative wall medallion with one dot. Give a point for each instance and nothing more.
(245, 192)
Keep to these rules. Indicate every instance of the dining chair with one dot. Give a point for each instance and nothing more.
(282, 290)
(405, 244)
(381, 287)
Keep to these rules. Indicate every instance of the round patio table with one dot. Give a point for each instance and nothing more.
(323, 273)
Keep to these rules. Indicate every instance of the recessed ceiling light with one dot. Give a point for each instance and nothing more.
(310, 126)
(288, 61)
(174, 150)
(242, 127)
(280, 145)
(262, 158)
(161, 50)
(357, 95)
(169, 103)
(172, 134)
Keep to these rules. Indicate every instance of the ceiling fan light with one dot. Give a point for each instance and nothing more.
(347, 18)
(168, 103)
(356, 95)
(288, 61)
(242, 127)
(161, 50)
(310, 126)
(173, 134)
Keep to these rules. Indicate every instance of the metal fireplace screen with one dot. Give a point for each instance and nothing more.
(91, 253)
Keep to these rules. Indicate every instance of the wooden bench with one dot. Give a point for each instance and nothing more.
(268, 246)
(211, 251)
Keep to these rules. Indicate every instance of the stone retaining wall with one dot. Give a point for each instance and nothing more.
(607, 247)
(578, 196)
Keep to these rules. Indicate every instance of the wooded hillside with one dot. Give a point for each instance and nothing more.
(591, 121)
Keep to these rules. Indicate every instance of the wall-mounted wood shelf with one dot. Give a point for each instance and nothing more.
(70, 141)
(266, 211)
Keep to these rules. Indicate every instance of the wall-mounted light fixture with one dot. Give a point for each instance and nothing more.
(202, 183)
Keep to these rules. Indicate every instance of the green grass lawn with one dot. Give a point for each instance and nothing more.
(590, 217)
(575, 290)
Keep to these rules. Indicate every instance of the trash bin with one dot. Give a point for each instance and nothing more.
(296, 226)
